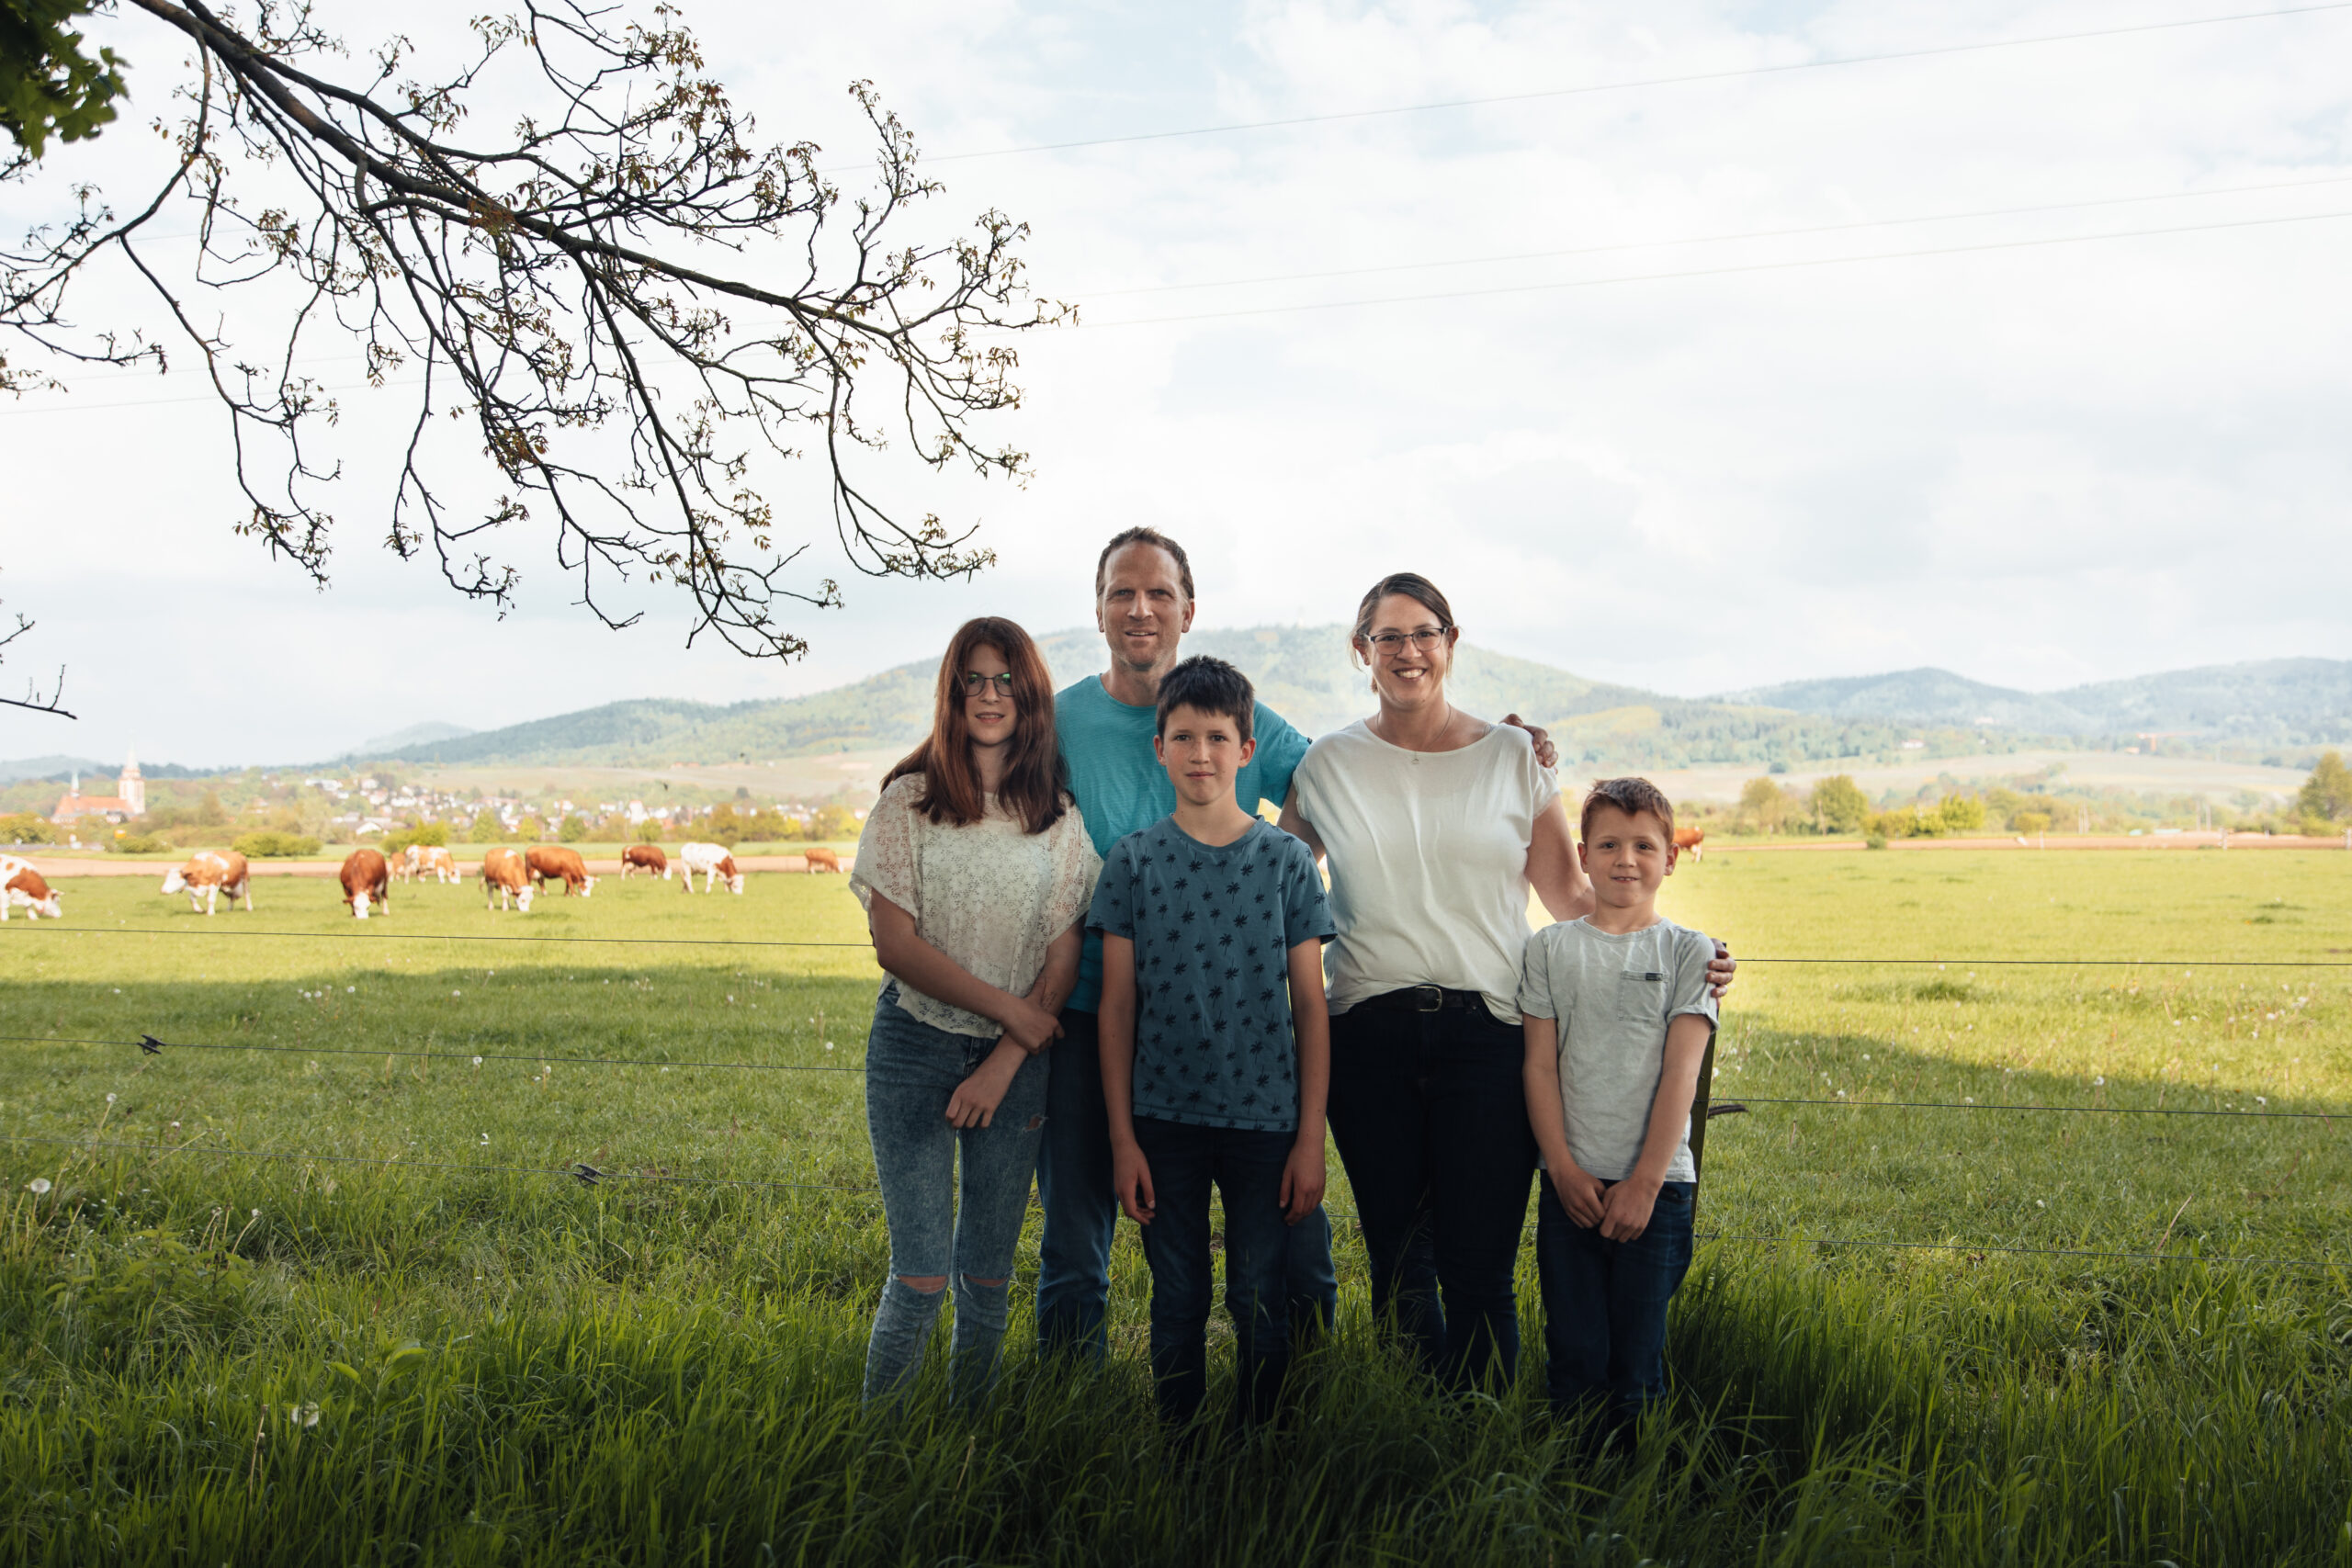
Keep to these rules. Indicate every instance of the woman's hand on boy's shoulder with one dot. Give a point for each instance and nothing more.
(1720, 971)
(1546, 754)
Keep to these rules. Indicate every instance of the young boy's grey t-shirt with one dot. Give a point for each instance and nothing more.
(1212, 927)
(1613, 996)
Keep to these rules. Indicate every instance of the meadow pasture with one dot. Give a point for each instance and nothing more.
(1928, 1330)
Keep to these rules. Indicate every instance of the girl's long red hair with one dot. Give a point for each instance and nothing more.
(1031, 787)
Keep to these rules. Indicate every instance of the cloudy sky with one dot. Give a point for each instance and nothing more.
(1695, 385)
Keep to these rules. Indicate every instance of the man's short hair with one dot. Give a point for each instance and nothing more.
(1632, 796)
(1158, 541)
(1207, 685)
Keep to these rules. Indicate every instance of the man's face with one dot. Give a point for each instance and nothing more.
(1627, 856)
(1202, 753)
(1142, 611)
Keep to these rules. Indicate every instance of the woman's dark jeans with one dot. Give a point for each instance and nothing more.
(1429, 1112)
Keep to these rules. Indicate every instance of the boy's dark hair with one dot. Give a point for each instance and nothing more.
(1207, 685)
(1632, 796)
(1158, 541)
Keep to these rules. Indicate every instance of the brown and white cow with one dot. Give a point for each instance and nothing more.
(504, 877)
(21, 887)
(819, 858)
(210, 874)
(553, 862)
(435, 862)
(367, 880)
(715, 863)
(401, 863)
(647, 858)
(1691, 841)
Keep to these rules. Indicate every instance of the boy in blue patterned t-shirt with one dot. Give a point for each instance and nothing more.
(1215, 1043)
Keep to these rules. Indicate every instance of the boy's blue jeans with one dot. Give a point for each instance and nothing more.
(912, 1071)
(1604, 1307)
(1082, 1212)
(1245, 1167)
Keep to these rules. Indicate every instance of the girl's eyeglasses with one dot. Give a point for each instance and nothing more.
(975, 683)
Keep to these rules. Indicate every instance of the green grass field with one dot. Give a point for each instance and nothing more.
(432, 1347)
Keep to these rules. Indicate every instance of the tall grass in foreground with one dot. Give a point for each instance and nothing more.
(389, 1363)
(187, 1385)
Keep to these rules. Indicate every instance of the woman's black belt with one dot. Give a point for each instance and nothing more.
(1426, 999)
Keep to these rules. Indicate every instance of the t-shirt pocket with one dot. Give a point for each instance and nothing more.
(1641, 995)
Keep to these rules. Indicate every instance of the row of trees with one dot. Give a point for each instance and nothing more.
(1837, 804)
(723, 825)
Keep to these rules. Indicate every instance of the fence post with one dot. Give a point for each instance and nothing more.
(1700, 1101)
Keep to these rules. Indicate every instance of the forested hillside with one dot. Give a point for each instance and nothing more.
(2273, 701)
(1304, 672)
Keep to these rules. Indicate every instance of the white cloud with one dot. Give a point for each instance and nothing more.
(2036, 465)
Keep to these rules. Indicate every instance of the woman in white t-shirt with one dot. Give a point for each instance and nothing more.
(1436, 824)
(975, 869)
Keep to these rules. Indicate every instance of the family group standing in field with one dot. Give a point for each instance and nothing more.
(1108, 970)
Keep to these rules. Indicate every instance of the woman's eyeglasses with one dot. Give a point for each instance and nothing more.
(1392, 643)
(975, 683)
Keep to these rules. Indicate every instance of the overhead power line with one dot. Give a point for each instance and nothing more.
(1705, 239)
(1592, 87)
(1444, 295)
(1700, 272)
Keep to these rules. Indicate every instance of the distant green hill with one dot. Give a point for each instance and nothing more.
(2274, 701)
(1304, 672)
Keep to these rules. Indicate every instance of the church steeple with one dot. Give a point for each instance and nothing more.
(130, 786)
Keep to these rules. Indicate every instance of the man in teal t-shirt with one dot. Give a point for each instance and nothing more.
(1142, 603)
(1143, 606)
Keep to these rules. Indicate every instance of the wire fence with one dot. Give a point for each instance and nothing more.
(148, 1044)
(592, 1176)
(370, 937)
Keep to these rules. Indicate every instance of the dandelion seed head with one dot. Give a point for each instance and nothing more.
(38, 1185)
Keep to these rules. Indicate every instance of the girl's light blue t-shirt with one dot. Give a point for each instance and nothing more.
(1121, 789)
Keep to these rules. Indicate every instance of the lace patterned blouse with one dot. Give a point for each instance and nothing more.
(990, 896)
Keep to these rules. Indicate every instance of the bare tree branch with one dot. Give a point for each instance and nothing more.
(32, 698)
(556, 290)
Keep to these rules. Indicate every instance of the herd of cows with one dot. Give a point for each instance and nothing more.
(509, 878)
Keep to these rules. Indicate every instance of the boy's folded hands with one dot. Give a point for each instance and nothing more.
(1625, 1209)
(1580, 1191)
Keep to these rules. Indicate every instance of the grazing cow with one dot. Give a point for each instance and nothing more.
(504, 877)
(21, 887)
(647, 858)
(367, 880)
(819, 858)
(548, 863)
(435, 862)
(1692, 841)
(403, 865)
(210, 874)
(715, 864)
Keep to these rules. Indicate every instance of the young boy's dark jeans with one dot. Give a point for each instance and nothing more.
(1604, 1307)
(1245, 1167)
